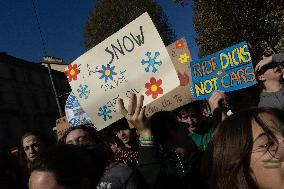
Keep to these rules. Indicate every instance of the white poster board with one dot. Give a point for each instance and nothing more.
(133, 60)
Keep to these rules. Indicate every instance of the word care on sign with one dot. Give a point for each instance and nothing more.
(133, 60)
(179, 96)
(227, 70)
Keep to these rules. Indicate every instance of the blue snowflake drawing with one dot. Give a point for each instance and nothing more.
(152, 62)
(104, 112)
(73, 122)
(83, 91)
(107, 72)
(72, 102)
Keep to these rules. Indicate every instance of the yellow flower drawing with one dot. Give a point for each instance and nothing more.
(183, 58)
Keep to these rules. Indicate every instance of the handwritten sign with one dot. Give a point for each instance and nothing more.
(227, 70)
(61, 126)
(133, 60)
(181, 57)
(74, 112)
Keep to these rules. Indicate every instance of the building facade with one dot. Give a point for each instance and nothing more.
(27, 101)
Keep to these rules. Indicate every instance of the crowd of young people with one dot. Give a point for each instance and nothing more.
(185, 148)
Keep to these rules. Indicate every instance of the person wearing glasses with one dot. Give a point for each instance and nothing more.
(270, 80)
(247, 151)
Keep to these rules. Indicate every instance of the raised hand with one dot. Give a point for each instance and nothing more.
(135, 114)
(215, 99)
(264, 61)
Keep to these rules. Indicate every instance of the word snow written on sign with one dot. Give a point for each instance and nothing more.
(227, 70)
(133, 60)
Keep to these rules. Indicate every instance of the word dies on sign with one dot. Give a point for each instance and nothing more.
(227, 70)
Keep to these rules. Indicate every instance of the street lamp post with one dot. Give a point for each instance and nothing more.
(54, 90)
(51, 60)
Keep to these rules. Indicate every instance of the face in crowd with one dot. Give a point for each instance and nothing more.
(268, 153)
(79, 137)
(124, 135)
(190, 119)
(33, 147)
(167, 131)
(248, 146)
(56, 169)
(270, 72)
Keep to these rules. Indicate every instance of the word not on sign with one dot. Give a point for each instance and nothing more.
(227, 70)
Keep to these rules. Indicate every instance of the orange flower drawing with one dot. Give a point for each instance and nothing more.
(179, 44)
(72, 72)
(154, 88)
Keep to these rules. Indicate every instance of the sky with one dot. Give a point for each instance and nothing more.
(62, 23)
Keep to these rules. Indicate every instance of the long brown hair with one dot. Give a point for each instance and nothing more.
(226, 163)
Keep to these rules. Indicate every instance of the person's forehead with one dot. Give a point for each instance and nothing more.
(77, 133)
(186, 114)
(31, 139)
(270, 121)
(256, 130)
(43, 180)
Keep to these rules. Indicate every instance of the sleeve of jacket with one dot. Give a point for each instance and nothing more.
(132, 183)
(278, 58)
(149, 165)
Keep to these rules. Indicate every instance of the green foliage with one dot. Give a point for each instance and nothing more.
(111, 15)
(222, 23)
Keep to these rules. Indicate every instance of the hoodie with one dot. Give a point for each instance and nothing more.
(272, 99)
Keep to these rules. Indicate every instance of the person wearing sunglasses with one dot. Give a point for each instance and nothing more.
(270, 80)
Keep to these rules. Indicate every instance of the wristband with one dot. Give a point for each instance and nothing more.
(146, 138)
(146, 141)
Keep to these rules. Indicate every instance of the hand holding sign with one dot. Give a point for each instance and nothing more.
(135, 114)
(216, 97)
(227, 70)
(133, 60)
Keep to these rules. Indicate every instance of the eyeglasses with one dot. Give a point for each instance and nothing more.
(266, 67)
(271, 147)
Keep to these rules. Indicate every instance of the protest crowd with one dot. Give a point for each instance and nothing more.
(195, 146)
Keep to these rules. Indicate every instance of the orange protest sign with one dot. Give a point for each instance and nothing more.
(61, 126)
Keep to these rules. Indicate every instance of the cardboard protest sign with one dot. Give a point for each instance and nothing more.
(180, 56)
(61, 126)
(74, 112)
(133, 60)
(227, 70)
